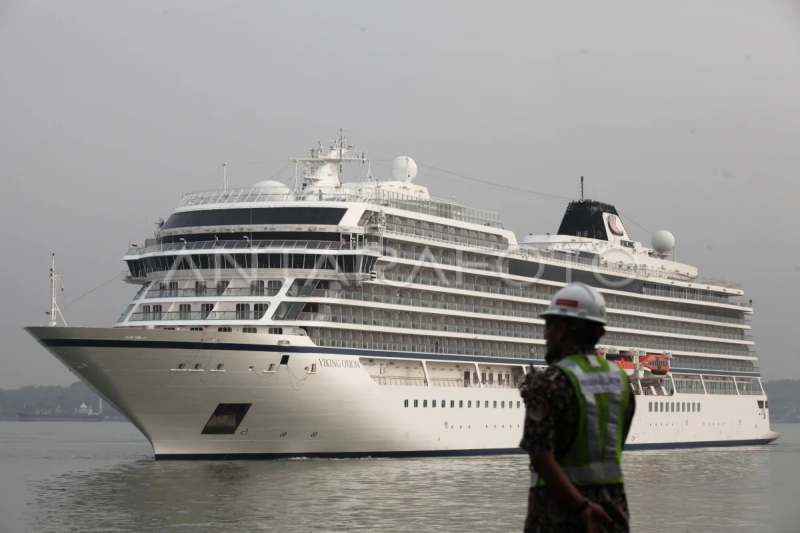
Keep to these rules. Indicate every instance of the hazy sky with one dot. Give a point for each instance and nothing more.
(685, 115)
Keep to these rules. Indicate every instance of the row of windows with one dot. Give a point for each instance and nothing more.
(203, 311)
(140, 268)
(500, 264)
(443, 404)
(496, 285)
(615, 338)
(174, 289)
(444, 256)
(377, 340)
(388, 318)
(477, 304)
(342, 314)
(710, 363)
(443, 232)
(673, 407)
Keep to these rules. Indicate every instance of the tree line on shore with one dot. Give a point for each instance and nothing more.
(31, 399)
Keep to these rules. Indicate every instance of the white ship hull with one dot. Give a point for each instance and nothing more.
(324, 403)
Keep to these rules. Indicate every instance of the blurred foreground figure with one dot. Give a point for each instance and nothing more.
(578, 415)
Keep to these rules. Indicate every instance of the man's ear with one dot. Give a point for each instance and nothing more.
(600, 332)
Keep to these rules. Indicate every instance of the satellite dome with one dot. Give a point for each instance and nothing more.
(663, 241)
(272, 190)
(403, 169)
(272, 184)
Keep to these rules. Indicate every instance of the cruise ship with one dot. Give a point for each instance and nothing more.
(368, 319)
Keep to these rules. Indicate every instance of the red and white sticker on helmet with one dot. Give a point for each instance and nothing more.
(567, 303)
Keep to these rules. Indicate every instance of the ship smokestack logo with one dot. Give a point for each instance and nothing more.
(615, 226)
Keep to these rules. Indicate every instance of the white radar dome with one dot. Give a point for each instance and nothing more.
(403, 169)
(271, 184)
(274, 191)
(663, 241)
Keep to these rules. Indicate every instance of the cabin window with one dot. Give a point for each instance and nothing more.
(518, 404)
(502, 405)
(698, 407)
(416, 403)
(205, 310)
(477, 405)
(259, 310)
(461, 403)
(433, 404)
(495, 404)
(469, 403)
(650, 406)
(221, 286)
(487, 404)
(242, 311)
(424, 403)
(274, 287)
(275, 331)
(405, 403)
(443, 403)
(224, 330)
(249, 330)
(257, 288)
(452, 403)
(200, 288)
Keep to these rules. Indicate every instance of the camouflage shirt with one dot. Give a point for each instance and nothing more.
(551, 411)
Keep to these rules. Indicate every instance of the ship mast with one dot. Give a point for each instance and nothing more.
(55, 284)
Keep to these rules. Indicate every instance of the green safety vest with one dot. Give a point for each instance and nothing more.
(603, 394)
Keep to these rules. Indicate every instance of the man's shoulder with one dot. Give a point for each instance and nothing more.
(550, 379)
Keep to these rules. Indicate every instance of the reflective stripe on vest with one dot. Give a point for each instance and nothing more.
(602, 466)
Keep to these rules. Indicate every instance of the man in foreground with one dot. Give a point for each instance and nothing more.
(578, 415)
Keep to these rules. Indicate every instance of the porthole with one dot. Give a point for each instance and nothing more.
(313, 434)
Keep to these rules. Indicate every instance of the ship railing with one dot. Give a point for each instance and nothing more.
(365, 194)
(698, 297)
(185, 315)
(236, 315)
(400, 380)
(452, 382)
(498, 385)
(253, 245)
(146, 316)
(422, 382)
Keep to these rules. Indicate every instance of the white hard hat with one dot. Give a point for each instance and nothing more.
(578, 300)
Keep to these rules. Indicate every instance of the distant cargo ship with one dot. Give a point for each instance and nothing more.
(81, 414)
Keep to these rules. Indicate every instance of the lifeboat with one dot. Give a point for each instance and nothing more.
(657, 364)
(623, 362)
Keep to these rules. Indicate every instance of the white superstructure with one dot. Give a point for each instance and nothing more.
(355, 319)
